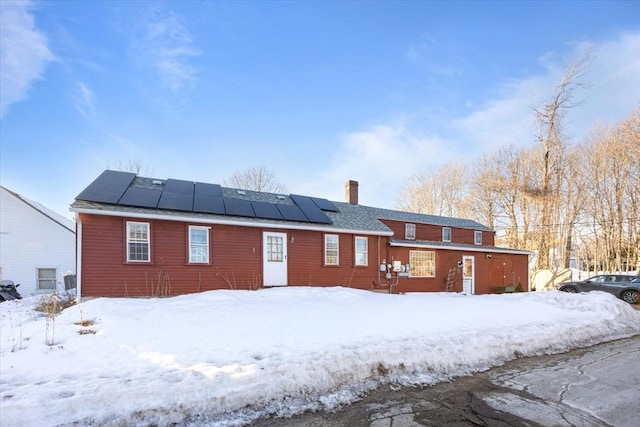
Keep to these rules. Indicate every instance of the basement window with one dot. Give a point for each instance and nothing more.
(46, 279)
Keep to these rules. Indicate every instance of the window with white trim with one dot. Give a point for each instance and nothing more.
(423, 263)
(138, 242)
(361, 250)
(46, 279)
(410, 231)
(477, 237)
(331, 249)
(198, 244)
(446, 234)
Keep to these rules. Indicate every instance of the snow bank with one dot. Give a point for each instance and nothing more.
(228, 357)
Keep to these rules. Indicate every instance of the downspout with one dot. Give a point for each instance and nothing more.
(78, 259)
(378, 266)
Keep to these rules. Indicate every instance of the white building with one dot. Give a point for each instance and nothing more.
(37, 245)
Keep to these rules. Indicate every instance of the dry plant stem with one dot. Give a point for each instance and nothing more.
(50, 313)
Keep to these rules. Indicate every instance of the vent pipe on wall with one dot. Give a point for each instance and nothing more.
(351, 192)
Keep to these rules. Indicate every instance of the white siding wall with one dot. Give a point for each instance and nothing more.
(30, 240)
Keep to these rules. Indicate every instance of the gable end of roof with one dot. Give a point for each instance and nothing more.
(56, 218)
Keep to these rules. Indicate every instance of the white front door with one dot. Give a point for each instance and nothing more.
(274, 252)
(467, 275)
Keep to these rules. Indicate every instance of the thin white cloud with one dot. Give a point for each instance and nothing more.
(611, 91)
(384, 156)
(426, 44)
(84, 100)
(163, 44)
(381, 158)
(24, 53)
(613, 84)
(501, 122)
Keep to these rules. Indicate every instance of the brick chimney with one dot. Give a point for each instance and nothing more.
(351, 192)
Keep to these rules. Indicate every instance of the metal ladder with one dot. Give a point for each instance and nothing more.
(451, 277)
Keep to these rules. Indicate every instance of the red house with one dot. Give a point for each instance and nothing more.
(141, 236)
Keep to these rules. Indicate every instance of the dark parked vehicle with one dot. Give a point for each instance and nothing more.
(9, 291)
(625, 287)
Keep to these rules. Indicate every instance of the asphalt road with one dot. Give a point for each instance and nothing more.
(595, 386)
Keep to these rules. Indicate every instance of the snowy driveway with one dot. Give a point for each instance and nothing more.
(591, 387)
(231, 357)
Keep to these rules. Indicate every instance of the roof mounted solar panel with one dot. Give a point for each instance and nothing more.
(204, 189)
(140, 197)
(178, 186)
(324, 204)
(108, 187)
(317, 216)
(266, 210)
(310, 209)
(292, 213)
(102, 193)
(208, 204)
(116, 178)
(176, 201)
(238, 207)
(114, 187)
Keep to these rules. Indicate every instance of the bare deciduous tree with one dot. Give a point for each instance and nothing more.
(563, 200)
(549, 118)
(612, 162)
(135, 166)
(256, 178)
(482, 198)
(441, 192)
(572, 201)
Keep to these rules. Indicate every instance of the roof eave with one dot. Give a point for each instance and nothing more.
(220, 221)
(454, 247)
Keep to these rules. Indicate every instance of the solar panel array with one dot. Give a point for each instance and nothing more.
(108, 187)
(113, 187)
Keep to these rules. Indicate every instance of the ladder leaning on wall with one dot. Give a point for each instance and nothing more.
(451, 278)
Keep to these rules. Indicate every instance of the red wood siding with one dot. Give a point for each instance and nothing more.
(433, 233)
(508, 270)
(306, 261)
(235, 260)
(235, 255)
(487, 275)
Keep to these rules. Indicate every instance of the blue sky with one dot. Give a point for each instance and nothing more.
(318, 92)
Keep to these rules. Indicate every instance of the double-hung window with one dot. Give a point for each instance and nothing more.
(446, 234)
(423, 263)
(198, 245)
(410, 231)
(331, 249)
(361, 251)
(477, 237)
(138, 242)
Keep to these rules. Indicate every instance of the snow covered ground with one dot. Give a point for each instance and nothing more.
(228, 357)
